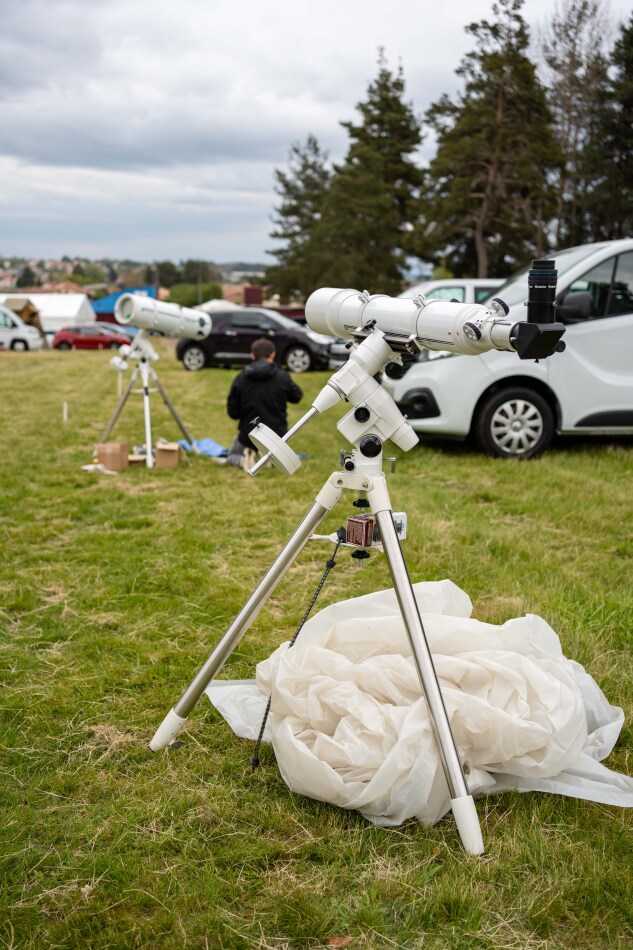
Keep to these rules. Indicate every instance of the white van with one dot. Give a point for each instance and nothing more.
(513, 407)
(15, 334)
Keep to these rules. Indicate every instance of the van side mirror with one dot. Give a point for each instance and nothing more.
(574, 307)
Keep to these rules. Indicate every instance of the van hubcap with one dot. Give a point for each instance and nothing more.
(516, 426)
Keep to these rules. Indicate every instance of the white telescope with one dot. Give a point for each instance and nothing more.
(169, 319)
(431, 324)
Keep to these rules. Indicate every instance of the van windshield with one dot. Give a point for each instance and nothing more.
(516, 289)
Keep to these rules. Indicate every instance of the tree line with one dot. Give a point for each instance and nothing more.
(531, 157)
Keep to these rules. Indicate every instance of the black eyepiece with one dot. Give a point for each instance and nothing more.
(541, 303)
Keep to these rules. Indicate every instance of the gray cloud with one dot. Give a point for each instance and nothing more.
(141, 125)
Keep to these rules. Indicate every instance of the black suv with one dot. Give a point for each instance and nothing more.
(233, 331)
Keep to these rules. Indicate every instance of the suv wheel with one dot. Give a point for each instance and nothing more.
(194, 358)
(20, 345)
(514, 423)
(63, 346)
(297, 359)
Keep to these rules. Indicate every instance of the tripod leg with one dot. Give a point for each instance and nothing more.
(177, 717)
(145, 371)
(117, 411)
(462, 803)
(172, 409)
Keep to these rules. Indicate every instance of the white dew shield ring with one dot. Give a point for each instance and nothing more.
(282, 455)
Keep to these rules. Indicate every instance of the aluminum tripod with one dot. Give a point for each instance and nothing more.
(367, 477)
(373, 419)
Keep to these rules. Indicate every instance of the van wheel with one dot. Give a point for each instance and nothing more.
(514, 423)
(19, 346)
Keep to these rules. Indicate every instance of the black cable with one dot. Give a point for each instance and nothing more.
(329, 564)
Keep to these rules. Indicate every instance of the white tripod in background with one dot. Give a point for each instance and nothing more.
(143, 353)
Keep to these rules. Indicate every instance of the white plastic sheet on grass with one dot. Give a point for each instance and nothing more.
(349, 724)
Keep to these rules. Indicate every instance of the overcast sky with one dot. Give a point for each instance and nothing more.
(151, 130)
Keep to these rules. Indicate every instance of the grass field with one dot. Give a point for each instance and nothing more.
(115, 588)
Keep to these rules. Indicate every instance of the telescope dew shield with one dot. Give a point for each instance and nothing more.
(146, 313)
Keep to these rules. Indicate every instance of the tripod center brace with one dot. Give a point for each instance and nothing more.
(373, 419)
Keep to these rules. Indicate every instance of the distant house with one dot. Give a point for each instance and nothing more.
(58, 310)
(104, 308)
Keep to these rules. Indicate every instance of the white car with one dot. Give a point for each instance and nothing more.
(513, 407)
(15, 334)
(460, 289)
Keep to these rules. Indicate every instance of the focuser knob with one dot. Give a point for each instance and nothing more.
(500, 305)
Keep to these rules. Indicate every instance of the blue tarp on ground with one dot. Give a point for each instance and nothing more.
(205, 447)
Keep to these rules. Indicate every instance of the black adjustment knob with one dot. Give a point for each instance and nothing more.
(349, 465)
(394, 370)
(370, 446)
(362, 414)
(360, 555)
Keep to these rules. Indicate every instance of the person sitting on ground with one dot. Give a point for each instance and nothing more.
(262, 390)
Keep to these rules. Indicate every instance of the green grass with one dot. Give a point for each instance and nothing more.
(114, 589)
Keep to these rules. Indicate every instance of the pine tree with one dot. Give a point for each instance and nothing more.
(609, 160)
(302, 190)
(362, 235)
(574, 54)
(489, 197)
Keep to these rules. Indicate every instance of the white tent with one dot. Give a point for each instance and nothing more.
(212, 305)
(59, 310)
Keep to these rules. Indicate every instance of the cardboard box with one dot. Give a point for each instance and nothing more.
(114, 455)
(167, 455)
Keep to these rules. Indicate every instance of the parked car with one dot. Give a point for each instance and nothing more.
(229, 343)
(120, 329)
(15, 334)
(89, 336)
(512, 408)
(461, 289)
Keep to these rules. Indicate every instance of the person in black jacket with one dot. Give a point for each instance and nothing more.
(262, 390)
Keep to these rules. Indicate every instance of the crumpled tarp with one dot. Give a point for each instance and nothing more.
(349, 724)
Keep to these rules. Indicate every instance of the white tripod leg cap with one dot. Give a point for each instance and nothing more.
(467, 822)
(167, 731)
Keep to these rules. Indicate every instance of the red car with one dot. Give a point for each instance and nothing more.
(90, 336)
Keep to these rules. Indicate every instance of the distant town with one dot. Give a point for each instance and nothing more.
(98, 278)
(53, 294)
